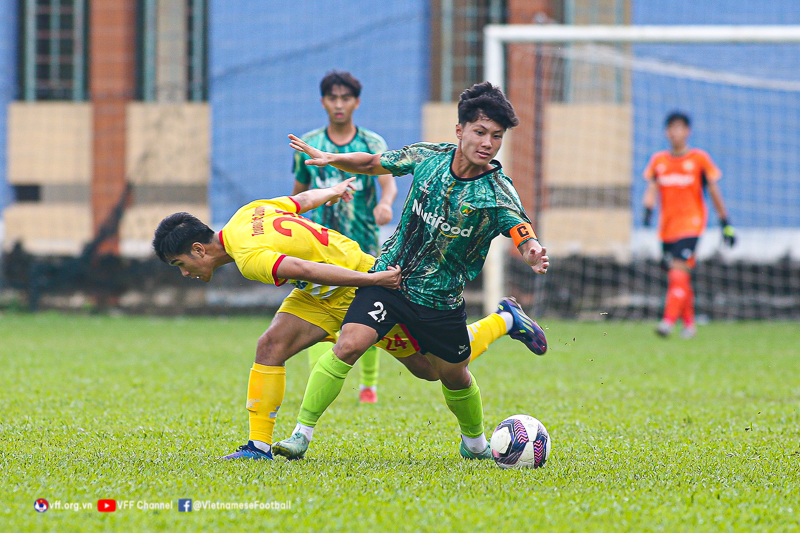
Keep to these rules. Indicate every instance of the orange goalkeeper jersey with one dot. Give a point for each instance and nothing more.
(680, 181)
(262, 233)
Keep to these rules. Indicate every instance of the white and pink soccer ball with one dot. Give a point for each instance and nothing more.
(520, 441)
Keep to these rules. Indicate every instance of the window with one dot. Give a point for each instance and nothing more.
(54, 53)
(173, 64)
(457, 44)
(28, 193)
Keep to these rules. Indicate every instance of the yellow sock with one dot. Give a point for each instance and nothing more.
(484, 332)
(265, 392)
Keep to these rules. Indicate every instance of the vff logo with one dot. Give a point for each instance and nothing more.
(184, 505)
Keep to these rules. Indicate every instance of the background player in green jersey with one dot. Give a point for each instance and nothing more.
(459, 201)
(360, 218)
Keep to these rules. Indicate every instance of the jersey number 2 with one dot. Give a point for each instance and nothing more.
(321, 235)
(379, 313)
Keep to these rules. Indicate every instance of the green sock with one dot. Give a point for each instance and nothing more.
(369, 364)
(316, 351)
(324, 385)
(466, 404)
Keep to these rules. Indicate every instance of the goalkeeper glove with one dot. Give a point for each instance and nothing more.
(648, 214)
(728, 233)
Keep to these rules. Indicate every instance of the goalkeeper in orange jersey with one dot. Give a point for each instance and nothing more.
(679, 177)
(270, 242)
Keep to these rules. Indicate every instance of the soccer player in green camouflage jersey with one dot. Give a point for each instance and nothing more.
(360, 218)
(459, 201)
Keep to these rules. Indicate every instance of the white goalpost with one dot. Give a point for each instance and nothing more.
(581, 52)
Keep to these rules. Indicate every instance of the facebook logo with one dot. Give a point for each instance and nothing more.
(184, 505)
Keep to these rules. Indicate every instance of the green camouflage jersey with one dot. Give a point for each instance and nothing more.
(353, 219)
(447, 223)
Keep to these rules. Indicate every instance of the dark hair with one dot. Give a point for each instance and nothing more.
(345, 79)
(488, 100)
(677, 115)
(176, 234)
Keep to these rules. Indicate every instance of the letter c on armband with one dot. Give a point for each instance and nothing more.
(522, 233)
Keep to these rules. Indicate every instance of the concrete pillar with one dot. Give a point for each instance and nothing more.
(527, 88)
(112, 56)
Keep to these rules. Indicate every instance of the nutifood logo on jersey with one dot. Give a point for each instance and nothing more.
(438, 222)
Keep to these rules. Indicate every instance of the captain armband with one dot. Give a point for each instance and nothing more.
(522, 233)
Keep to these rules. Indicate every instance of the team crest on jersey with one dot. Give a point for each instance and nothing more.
(688, 165)
(467, 209)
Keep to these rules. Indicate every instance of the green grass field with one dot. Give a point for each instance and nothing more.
(648, 434)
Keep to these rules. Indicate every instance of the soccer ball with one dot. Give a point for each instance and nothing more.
(520, 441)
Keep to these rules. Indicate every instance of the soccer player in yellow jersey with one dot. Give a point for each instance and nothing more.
(270, 242)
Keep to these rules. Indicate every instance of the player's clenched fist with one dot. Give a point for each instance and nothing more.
(382, 214)
(389, 278)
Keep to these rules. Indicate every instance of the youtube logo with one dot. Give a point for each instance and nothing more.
(106, 506)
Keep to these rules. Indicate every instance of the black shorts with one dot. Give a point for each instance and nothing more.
(682, 249)
(442, 333)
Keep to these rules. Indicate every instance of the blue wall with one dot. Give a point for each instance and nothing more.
(8, 84)
(737, 126)
(265, 69)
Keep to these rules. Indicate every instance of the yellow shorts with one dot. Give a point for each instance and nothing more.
(329, 313)
(398, 342)
(326, 313)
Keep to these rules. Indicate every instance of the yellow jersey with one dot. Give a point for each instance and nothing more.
(262, 233)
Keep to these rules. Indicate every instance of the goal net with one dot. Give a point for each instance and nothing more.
(592, 103)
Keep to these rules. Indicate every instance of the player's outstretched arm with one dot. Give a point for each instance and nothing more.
(535, 255)
(528, 245)
(354, 162)
(314, 198)
(324, 274)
